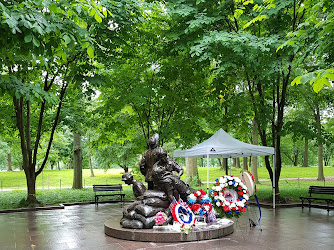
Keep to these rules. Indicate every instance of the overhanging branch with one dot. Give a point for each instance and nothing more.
(62, 93)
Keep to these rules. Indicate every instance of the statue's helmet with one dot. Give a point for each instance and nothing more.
(154, 141)
(127, 176)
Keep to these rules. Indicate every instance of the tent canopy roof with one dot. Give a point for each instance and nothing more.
(222, 145)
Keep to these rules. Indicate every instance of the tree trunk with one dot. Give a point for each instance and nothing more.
(31, 183)
(255, 141)
(77, 160)
(320, 146)
(70, 164)
(126, 169)
(25, 139)
(278, 166)
(305, 162)
(31, 188)
(90, 162)
(220, 163)
(321, 176)
(295, 158)
(234, 160)
(192, 171)
(9, 162)
(244, 163)
(225, 165)
(58, 165)
(238, 163)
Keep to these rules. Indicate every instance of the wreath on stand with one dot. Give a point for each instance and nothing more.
(230, 196)
(183, 216)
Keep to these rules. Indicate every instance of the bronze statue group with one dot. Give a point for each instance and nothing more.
(162, 175)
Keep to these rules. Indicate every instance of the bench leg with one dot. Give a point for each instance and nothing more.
(302, 204)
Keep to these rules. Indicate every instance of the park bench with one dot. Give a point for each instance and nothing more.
(319, 190)
(115, 190)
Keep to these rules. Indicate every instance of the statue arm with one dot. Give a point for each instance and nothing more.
(176, 167)
(180, 172)
(142, 166)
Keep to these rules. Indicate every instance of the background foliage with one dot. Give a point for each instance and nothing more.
(119, 71)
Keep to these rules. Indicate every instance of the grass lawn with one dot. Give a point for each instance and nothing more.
(289, 189)
(13, 199)
(62, 178)
(287, 172)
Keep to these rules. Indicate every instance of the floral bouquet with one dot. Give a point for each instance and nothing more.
(230, 196)
(200, 203)
(160, 219)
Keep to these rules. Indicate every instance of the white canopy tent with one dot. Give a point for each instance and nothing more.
(222, 145)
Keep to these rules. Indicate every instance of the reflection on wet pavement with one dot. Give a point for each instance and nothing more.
(82, 227)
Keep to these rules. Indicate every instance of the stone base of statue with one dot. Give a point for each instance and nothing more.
(202, 231)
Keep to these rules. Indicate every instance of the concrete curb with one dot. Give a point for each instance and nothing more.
(61, 206)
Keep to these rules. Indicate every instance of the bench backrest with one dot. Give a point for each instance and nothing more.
(321, 190)
(100, 188)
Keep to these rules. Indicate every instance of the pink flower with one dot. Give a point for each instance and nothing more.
(160, 218)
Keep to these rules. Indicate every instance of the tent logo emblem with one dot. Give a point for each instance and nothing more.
(212, 150)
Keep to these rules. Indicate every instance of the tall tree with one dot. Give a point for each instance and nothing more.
(241, 38)
(77, 161)
(43, 43)
(317, 104)
(152, 89)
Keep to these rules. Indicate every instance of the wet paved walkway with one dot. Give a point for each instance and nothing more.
(82, 227)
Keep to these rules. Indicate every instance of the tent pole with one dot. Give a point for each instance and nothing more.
(274, 180)
(207, 173)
